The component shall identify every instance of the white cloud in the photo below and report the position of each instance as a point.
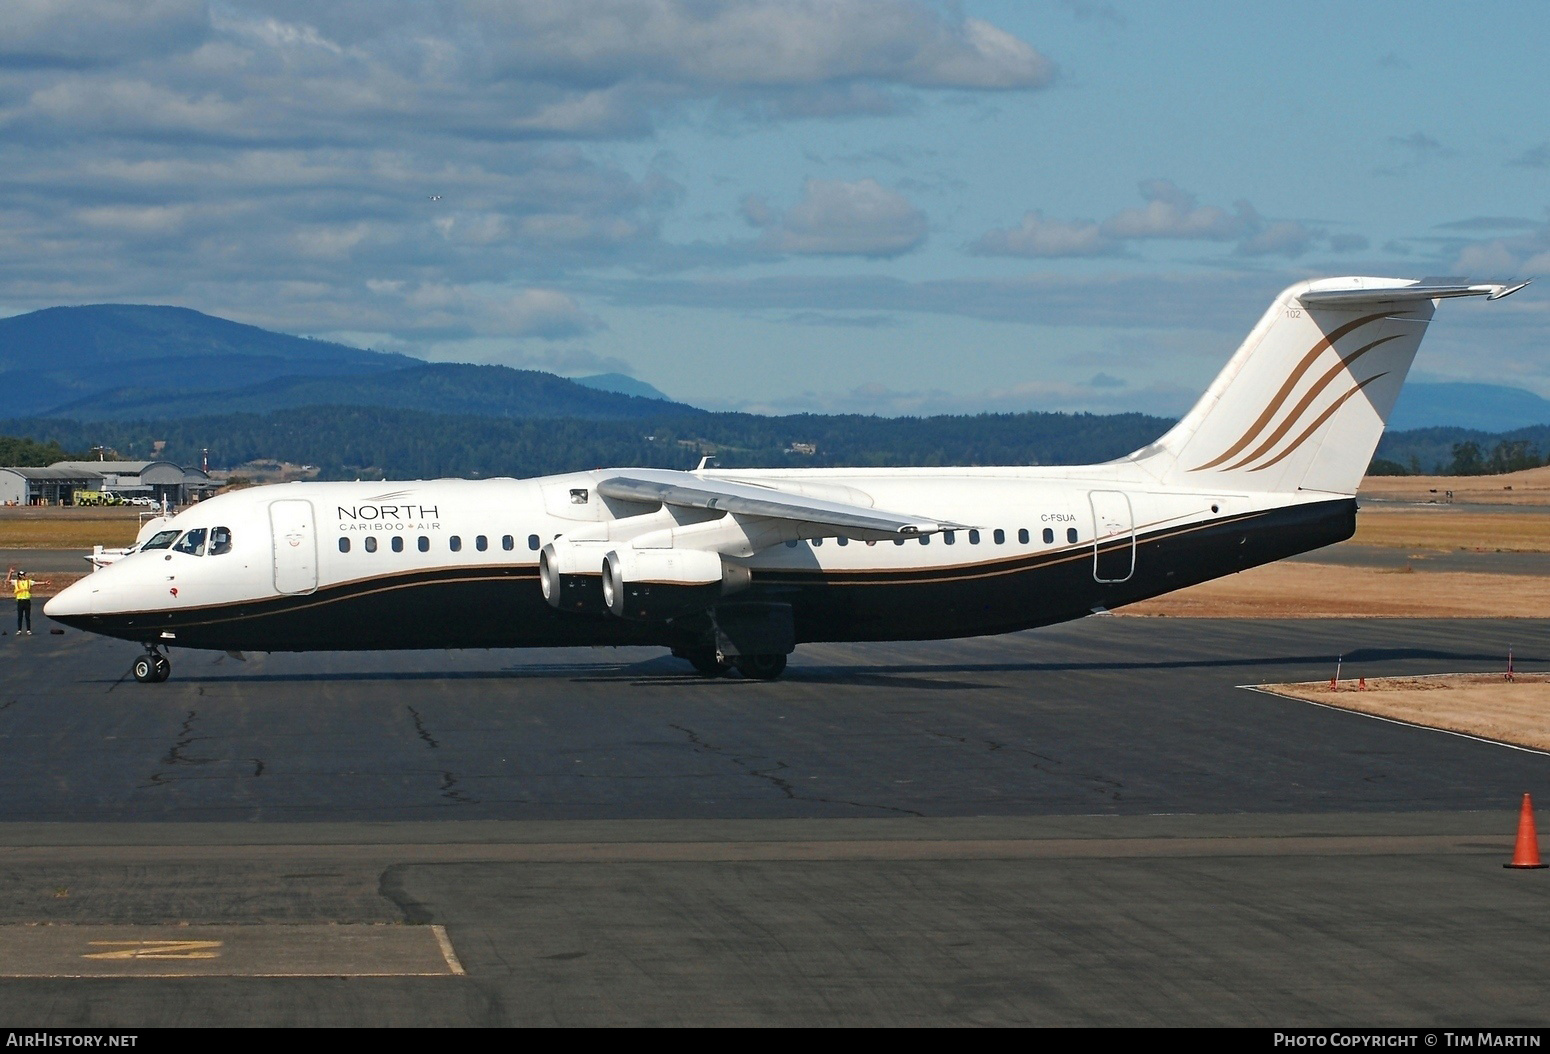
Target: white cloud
(1165, 400)
(1283, 238)
(82, 34)
(838, 218)
(440, 310)
(277, 160)
(1039, 236)
(567, 362)
(1171, 212)
(1522, 255)
(723, 43)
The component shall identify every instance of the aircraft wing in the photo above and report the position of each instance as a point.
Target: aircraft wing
(689, 490)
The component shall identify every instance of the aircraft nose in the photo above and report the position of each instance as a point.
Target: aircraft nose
(75, 600)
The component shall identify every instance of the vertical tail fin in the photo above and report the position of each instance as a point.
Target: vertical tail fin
(1302, 404)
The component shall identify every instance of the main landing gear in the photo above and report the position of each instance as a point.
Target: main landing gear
(708, 662)
(753, 638)
(153, 667)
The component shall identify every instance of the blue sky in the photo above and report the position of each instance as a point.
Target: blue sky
(880, 206)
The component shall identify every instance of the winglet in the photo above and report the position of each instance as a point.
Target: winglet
(1502, 291)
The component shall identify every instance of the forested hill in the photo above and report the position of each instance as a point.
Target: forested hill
(376, 442)
(445, 387)
(141, 362)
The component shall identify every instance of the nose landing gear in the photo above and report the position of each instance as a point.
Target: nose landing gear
(152, 667)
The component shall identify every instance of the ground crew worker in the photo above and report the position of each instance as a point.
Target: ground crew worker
(21, 583)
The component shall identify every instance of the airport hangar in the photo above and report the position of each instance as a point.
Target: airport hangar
(56, 484)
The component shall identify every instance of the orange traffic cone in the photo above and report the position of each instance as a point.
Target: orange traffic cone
(1526, 855)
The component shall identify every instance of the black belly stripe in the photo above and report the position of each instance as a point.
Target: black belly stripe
(485, 607)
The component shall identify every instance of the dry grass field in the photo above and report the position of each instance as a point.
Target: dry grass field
(1529, 487)
(1442, 528)
(1487, 705)
(66, 528)
(1308, 590)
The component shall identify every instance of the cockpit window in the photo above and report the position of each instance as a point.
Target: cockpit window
(192, 543)
(160, 540)
(220, 541)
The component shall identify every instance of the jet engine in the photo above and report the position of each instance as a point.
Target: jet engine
(569, 576)
(650, 584)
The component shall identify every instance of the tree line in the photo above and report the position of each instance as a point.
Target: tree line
(377, 442)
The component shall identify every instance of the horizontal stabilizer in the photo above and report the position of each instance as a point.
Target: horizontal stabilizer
(1302, 404)
(1371, 295)
(688, 490)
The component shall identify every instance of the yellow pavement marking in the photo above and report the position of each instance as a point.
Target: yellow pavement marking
(259, 950)
(157, 950)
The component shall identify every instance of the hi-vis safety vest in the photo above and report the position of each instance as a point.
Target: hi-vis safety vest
(24, 589)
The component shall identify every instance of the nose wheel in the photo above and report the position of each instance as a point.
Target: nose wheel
(152, 668)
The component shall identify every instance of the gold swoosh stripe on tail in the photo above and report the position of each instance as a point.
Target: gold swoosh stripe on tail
(1307, 401)
(1314, 427)
(1286, 389)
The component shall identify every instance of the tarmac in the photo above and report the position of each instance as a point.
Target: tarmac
(1091, 824)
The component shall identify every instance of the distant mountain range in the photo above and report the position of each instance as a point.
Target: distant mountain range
(1459, 404)
(622, 383)
(122, 362)
(110, 362)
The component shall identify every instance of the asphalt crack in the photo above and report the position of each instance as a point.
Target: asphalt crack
(421, 730)
(449, 790)
(178, 755)
(768, 773)
(1105, 785)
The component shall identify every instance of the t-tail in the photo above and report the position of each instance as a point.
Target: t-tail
(1302, 404)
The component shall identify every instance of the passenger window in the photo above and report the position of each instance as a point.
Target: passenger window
(1022, 535)
(192, 543)
(1070, 534)
(1049, 536)
(161, 540)
(532, 542)
(481, 543)
(1000, 536)
(508, 543)
(974, 537)
(371, 544)
(949, 537)
(425, 544)
(220, 541)
(455, 543)
(398, 543)
(344, 545)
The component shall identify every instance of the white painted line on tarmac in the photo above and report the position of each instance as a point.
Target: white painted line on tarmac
(1262, 690)
(445, 943)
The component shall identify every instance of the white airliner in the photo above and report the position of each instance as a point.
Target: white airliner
(736, 568)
